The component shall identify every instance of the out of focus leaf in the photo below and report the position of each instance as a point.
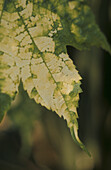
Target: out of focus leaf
(5, 102)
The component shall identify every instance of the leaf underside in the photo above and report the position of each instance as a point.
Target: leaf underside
(33, 39)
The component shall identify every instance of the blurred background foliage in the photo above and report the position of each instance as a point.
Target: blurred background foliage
(33, 138)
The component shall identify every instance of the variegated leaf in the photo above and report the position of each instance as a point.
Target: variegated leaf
(33, 39)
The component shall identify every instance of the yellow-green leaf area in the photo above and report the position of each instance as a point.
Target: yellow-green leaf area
(33, 39)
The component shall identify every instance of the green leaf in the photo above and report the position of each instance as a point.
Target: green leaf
(5, 102)
(33, 39)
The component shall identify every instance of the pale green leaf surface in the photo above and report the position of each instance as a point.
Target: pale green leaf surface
(33, 39)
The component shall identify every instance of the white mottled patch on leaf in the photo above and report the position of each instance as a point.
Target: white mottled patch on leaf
(36, 61)
(7, 60)
(26, 40)
(46, 85)
(8, 24)
(65, 57)
(62, 71)
(21, 63)
(59, 102)
(11, 17)
(51, 33)
(27, 12)
(67, 88)
(14, 73)
(36, 31)
(20, 29)
(25, 55)
(9, 87)
(28, 85)
(21, 3)
(9, 49)
(45, 44)
(25, 72)
(20, 37)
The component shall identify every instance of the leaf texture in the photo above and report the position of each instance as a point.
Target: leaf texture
(33, 39)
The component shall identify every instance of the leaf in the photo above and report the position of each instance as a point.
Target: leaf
(5, 102)
(34, 35)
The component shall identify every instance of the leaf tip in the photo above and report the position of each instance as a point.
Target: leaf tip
(74, 134)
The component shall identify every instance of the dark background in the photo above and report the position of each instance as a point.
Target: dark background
(33, 138)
